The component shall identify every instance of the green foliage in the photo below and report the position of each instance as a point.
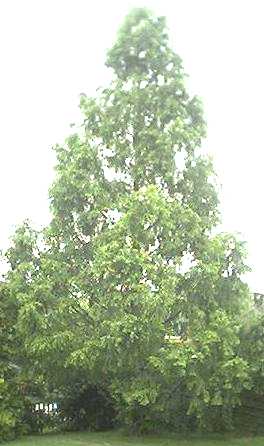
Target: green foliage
(11, 402)
(249, 416)
(131, 295)
(19, 383)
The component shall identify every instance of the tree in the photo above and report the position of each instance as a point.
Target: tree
(132, 290)
(10, 405)
(249, 416)
(20, 383)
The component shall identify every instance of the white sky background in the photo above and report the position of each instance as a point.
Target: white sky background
(52, 50)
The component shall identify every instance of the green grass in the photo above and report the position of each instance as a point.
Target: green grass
(117, 439)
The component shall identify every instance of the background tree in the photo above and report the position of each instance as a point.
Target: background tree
(19, 384)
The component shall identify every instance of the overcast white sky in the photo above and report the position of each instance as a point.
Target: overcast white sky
(52, 50)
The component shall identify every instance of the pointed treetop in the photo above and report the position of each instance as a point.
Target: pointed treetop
(142, 47)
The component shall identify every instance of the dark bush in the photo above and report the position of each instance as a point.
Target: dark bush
(86, 407)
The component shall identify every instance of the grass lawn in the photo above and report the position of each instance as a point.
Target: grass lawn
(116, 439)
